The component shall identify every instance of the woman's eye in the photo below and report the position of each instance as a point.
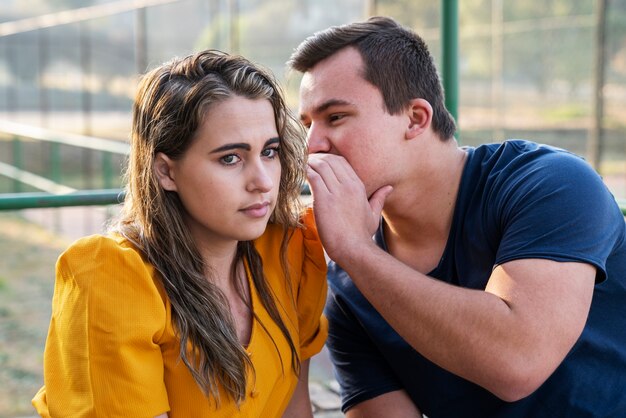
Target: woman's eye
(230, 159)
(270, 152)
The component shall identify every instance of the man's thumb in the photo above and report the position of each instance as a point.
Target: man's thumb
(377, 201)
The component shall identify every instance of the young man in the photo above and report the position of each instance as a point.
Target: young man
(496, 282)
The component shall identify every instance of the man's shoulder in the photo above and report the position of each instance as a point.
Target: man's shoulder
(521, 149)
(525, 162)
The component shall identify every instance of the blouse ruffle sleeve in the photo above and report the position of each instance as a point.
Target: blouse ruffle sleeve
(311, 296)
(102, 355)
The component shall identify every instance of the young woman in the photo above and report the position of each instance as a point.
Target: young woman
(206, 297)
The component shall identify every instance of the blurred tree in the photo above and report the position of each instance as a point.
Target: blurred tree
(268, 31)
(616, 39)
(58, 5)
(417, 14)
(474, 13)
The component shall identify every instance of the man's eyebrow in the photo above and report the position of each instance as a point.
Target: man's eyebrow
(330, 103)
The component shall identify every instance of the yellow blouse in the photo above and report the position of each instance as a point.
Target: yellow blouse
(112, 352)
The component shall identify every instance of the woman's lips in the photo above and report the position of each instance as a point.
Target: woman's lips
(258, 210)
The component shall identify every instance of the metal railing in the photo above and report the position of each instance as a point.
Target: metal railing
(54, 194)
(53, 183)
(17, 201)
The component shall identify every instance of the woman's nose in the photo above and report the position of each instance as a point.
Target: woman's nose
(260, 178)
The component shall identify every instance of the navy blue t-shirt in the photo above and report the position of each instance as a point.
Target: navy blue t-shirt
(516, 200)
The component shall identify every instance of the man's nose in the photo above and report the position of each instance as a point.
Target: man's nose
(317, 140)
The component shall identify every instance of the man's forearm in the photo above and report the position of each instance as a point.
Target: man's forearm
(472, 333)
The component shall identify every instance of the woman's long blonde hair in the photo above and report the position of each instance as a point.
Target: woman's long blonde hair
(170, 104)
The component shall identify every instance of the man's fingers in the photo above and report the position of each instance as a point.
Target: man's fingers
(338, 165)
(341, 167)
(325, 171)
(315, 181)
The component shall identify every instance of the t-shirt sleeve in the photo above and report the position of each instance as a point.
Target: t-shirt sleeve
(102, 355)
(360, 369)
(311, 296)
(558, 209)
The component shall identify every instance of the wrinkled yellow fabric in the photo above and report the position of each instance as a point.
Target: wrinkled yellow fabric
(112, 352)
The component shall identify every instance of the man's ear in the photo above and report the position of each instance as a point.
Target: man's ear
(420, 114)
(163, 169)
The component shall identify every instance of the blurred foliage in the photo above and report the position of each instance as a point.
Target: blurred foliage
(535, 54)
(543, 40)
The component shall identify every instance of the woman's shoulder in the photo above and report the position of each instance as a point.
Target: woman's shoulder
(108, 257)
(300, 236)
(100, 248)
(304, 245)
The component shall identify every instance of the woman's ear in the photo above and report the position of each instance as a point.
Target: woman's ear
(163, 169)
(420, 114)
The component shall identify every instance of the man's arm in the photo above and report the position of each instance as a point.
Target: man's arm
(507, 339)
(395, 404)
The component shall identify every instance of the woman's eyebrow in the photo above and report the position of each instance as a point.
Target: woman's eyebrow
(243, 145)
(228, 147)
(271, 141)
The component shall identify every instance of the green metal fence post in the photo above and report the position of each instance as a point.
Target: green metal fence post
(55, 162)
(107, 171)
(450, 53)
(18, 162)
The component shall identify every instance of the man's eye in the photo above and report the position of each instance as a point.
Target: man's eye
(230, 159)
(336, 117)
